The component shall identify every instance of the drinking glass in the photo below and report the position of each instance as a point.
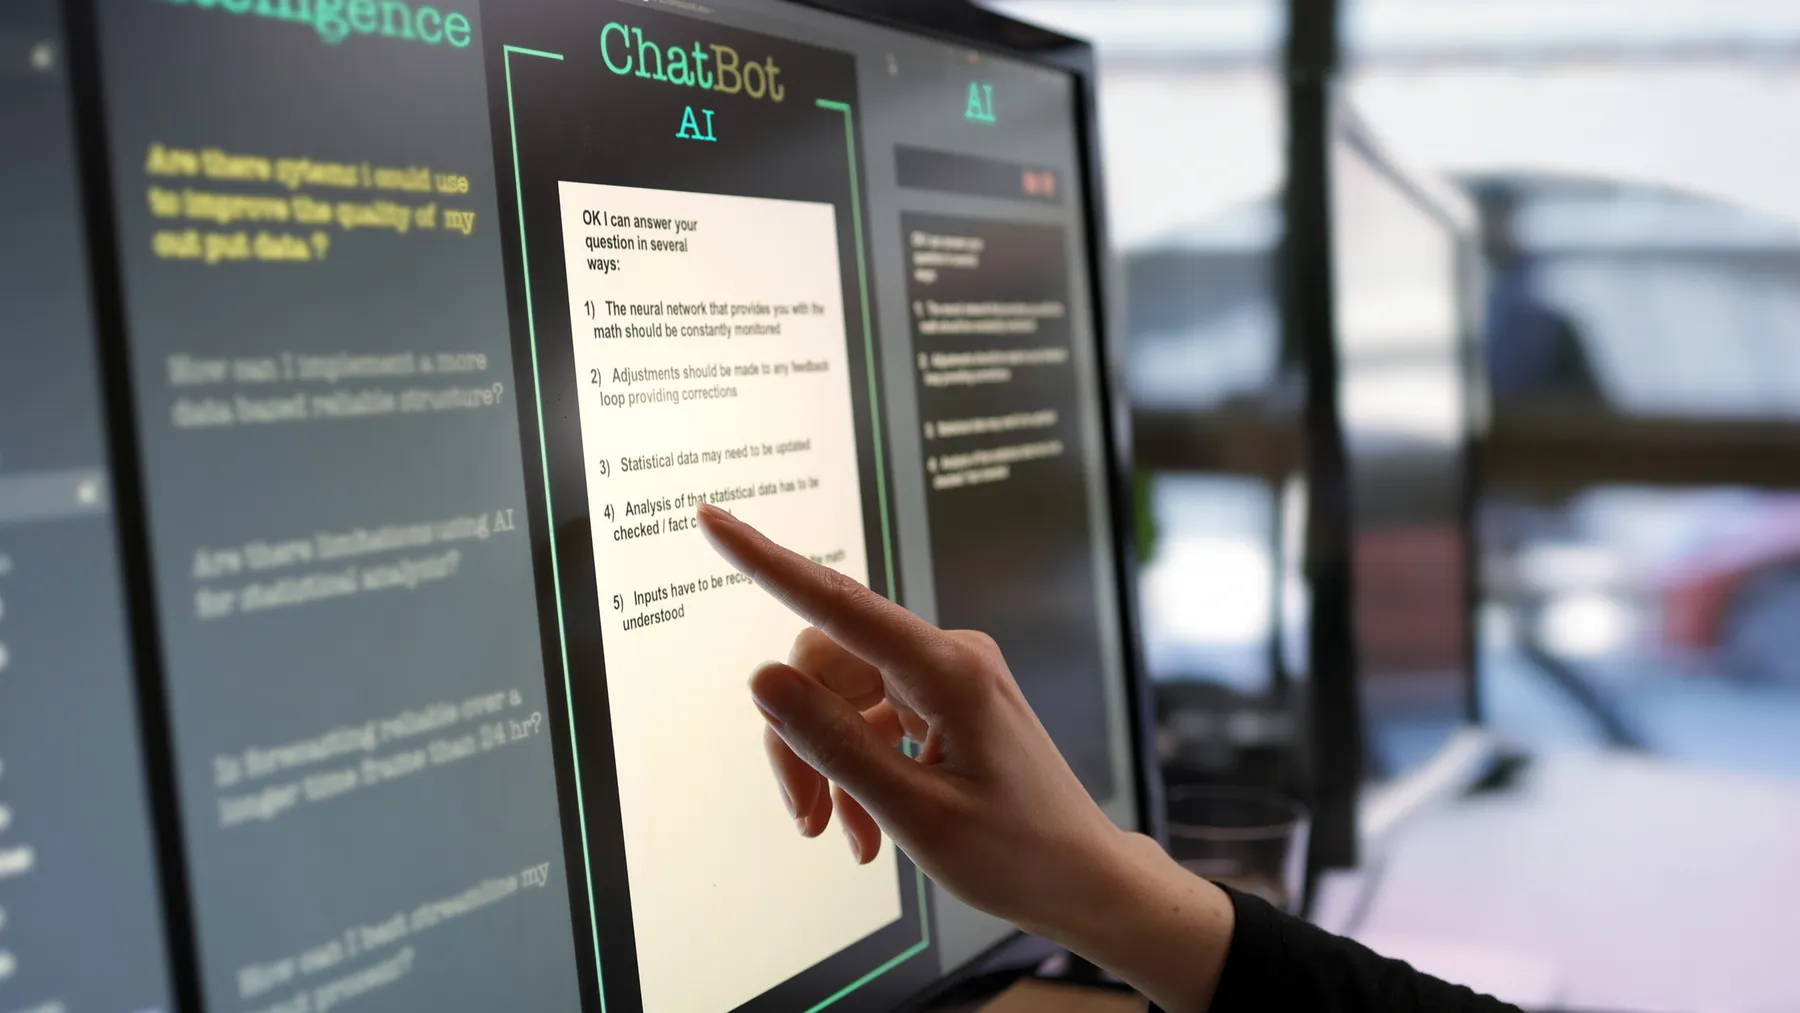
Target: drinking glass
(1251, 840)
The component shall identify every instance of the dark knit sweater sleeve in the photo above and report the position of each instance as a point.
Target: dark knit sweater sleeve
(1282, 963)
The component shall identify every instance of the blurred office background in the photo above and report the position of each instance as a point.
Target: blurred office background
(1634, 167)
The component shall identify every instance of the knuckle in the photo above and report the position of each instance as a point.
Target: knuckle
(848, 596)
(976, 646)
(981, 645)
(845, 586)
(977, 660)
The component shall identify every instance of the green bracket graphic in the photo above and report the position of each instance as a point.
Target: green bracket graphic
(562, 633)
(862, 279)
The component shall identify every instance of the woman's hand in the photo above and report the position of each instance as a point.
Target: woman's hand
(988, 808)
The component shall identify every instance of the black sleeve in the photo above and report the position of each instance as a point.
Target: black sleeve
(1279, 962)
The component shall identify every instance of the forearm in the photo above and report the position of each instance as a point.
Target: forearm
(1160, 928)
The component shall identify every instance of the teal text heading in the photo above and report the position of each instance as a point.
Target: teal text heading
(337, 20)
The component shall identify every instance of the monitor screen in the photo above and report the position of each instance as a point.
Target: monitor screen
(419, 332)
(1403, 257)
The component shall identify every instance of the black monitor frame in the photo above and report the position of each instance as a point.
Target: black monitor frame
(1333, 737)
(99, 233)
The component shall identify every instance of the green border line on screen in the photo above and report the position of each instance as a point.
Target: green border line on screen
(862, 281)
(562, 633)
(555, 566)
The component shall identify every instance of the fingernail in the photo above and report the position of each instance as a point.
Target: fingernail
(855, 846)
(777, 691)
(716, 515)
(788, 800)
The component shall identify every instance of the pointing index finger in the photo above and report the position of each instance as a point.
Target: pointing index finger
(866, 624)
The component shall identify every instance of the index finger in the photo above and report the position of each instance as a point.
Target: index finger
(863, 622)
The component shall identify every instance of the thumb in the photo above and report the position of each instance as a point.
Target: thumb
(833, 738)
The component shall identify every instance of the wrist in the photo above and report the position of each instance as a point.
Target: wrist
(1158, 926)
